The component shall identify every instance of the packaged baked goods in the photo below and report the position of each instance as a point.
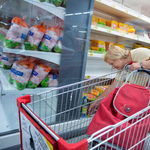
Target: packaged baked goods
(17, 33)
(108, 45)
(120, 45)
(126, 27)
(99, 45)
(142, 33)
(131, 29)
(121, 26)
(101, 21)
(50, 39)
(35, 36)
(113, 24)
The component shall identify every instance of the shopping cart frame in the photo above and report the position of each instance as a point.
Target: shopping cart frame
(58, 142)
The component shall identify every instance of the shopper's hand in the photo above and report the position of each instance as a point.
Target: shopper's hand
(134, 66)
(92, 107)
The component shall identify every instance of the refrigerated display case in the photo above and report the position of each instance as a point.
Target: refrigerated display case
(77, 60)
(67, 62)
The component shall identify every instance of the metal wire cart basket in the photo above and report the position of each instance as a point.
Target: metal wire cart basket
(54, 119)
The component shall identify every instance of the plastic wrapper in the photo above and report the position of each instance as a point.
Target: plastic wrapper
(17, 33)
(99, 44)
(50, 39)
(142, 33)
(38, 74)
(22, 72)
(57, 2)
(7, 60)
(50, 80)
(64, 3)
(58, 46)
(101, 21)
(113, 24)
(35, 36)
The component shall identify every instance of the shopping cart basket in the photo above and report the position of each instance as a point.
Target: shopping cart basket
(53, 119)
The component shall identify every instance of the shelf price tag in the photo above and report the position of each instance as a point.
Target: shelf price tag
(123, 35)
(95, 27)
(139, 16)
(88, 77)
(127, 11)
(109, 31)
(104, 77)
(90, 54)
(99, 0)
(113, 5)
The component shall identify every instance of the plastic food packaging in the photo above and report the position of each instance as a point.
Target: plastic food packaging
(7, 60)
(137, 45)
(120, 45)
(38, 74)
(95, 92)
(57, 2)
(101, 89)
(113, 24)
(121, 26)
(142, 33)
(126, 27)
(50, 39)
(90, 97)
(101, 21)
(108, 45)
(58, 46)
(22, 74)
(17, 33)
(35, 36)
(64, 3)
(131, 29)
(50, 80)
(99, 44)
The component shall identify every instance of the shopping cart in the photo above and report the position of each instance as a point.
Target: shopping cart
(53, 120)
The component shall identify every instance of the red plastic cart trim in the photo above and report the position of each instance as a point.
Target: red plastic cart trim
(63, 145)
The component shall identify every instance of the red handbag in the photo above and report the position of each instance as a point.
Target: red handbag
(118, 105)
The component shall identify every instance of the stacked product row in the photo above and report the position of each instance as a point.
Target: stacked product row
(121, 27)
(37, 37)
(29, 71)
(102, 46)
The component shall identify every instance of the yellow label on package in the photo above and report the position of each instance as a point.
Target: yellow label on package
(84, 109)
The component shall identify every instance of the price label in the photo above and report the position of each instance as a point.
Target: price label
(95, 27)
(90, 54)
(99, 0)
(127, 11)
(104, 77)
(109, 31)
(135, 38)
(114, 6)
(123, 35)
(88, 77)
(139, 16)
